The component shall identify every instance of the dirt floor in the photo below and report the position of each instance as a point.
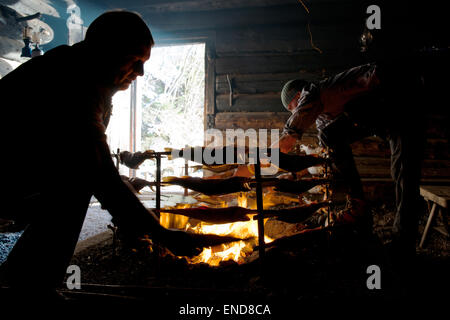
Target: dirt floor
(316, 270)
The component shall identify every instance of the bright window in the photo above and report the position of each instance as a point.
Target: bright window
(169, 111)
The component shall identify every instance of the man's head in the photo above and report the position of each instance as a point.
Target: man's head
(291, 93)
(122, 42)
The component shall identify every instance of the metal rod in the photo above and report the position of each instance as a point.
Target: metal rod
(260, 208)
(327, 194)
(118, 159)
(186, 173)
(158, 184)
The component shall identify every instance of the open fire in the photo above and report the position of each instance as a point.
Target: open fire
(233, 213)
(238, 251)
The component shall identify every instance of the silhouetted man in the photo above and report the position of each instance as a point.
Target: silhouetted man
(57, 157)
(387, 99)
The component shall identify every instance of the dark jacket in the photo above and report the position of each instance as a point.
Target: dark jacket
(55, 113)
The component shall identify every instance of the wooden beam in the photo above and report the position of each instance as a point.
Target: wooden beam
(289, 14)
(210, 79)
(314, 62)
(286, 39)
(261, 83)
(247, 120)
(203, 5)
(380, 167)
(250, 103)
(261, 120)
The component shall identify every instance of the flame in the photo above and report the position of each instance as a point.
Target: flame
(169, 220)
(237, 251)
(242, 200)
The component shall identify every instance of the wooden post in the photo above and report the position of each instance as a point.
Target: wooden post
(427, 226)
(260, 208)
(158, 183)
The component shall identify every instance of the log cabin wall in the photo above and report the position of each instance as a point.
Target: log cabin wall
(255, 46)
(253, 51)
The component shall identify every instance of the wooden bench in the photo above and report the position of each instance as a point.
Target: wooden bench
(439, 196)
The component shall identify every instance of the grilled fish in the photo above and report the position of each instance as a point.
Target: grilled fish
(298, 186)
(210, 156)
(219, 168)
(134, 160)
(295, 214)
(295, 163)
(211, 186)
(214, 215)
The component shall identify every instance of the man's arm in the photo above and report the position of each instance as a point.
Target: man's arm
(286, 142)
(128, 212)
(300, 120)
(116, 197)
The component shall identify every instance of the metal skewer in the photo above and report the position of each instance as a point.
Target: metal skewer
(260, 208)
(158, 183)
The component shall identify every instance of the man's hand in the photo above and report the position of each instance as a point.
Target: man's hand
(180, 243)
(188, 244)
(286, 143)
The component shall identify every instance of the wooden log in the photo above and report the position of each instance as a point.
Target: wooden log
(435, 149)
(371, 147)
(250, 103)
(330, 13)
(286, 39)
(262, 83)
(380, 167)
(261, 120)
(312, 62)
(202, 5)
(210, 79)
(247, 120)
(436, 124)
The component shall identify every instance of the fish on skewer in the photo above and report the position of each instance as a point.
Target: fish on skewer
(295, 163)
(211, 186)
(295, 214)
(305, 238)
(219, 168)
(200, 240)
(211, 156)
(214, 215)
(134, 160)
(299, 186)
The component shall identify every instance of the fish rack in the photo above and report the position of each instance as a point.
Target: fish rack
(258, 185)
